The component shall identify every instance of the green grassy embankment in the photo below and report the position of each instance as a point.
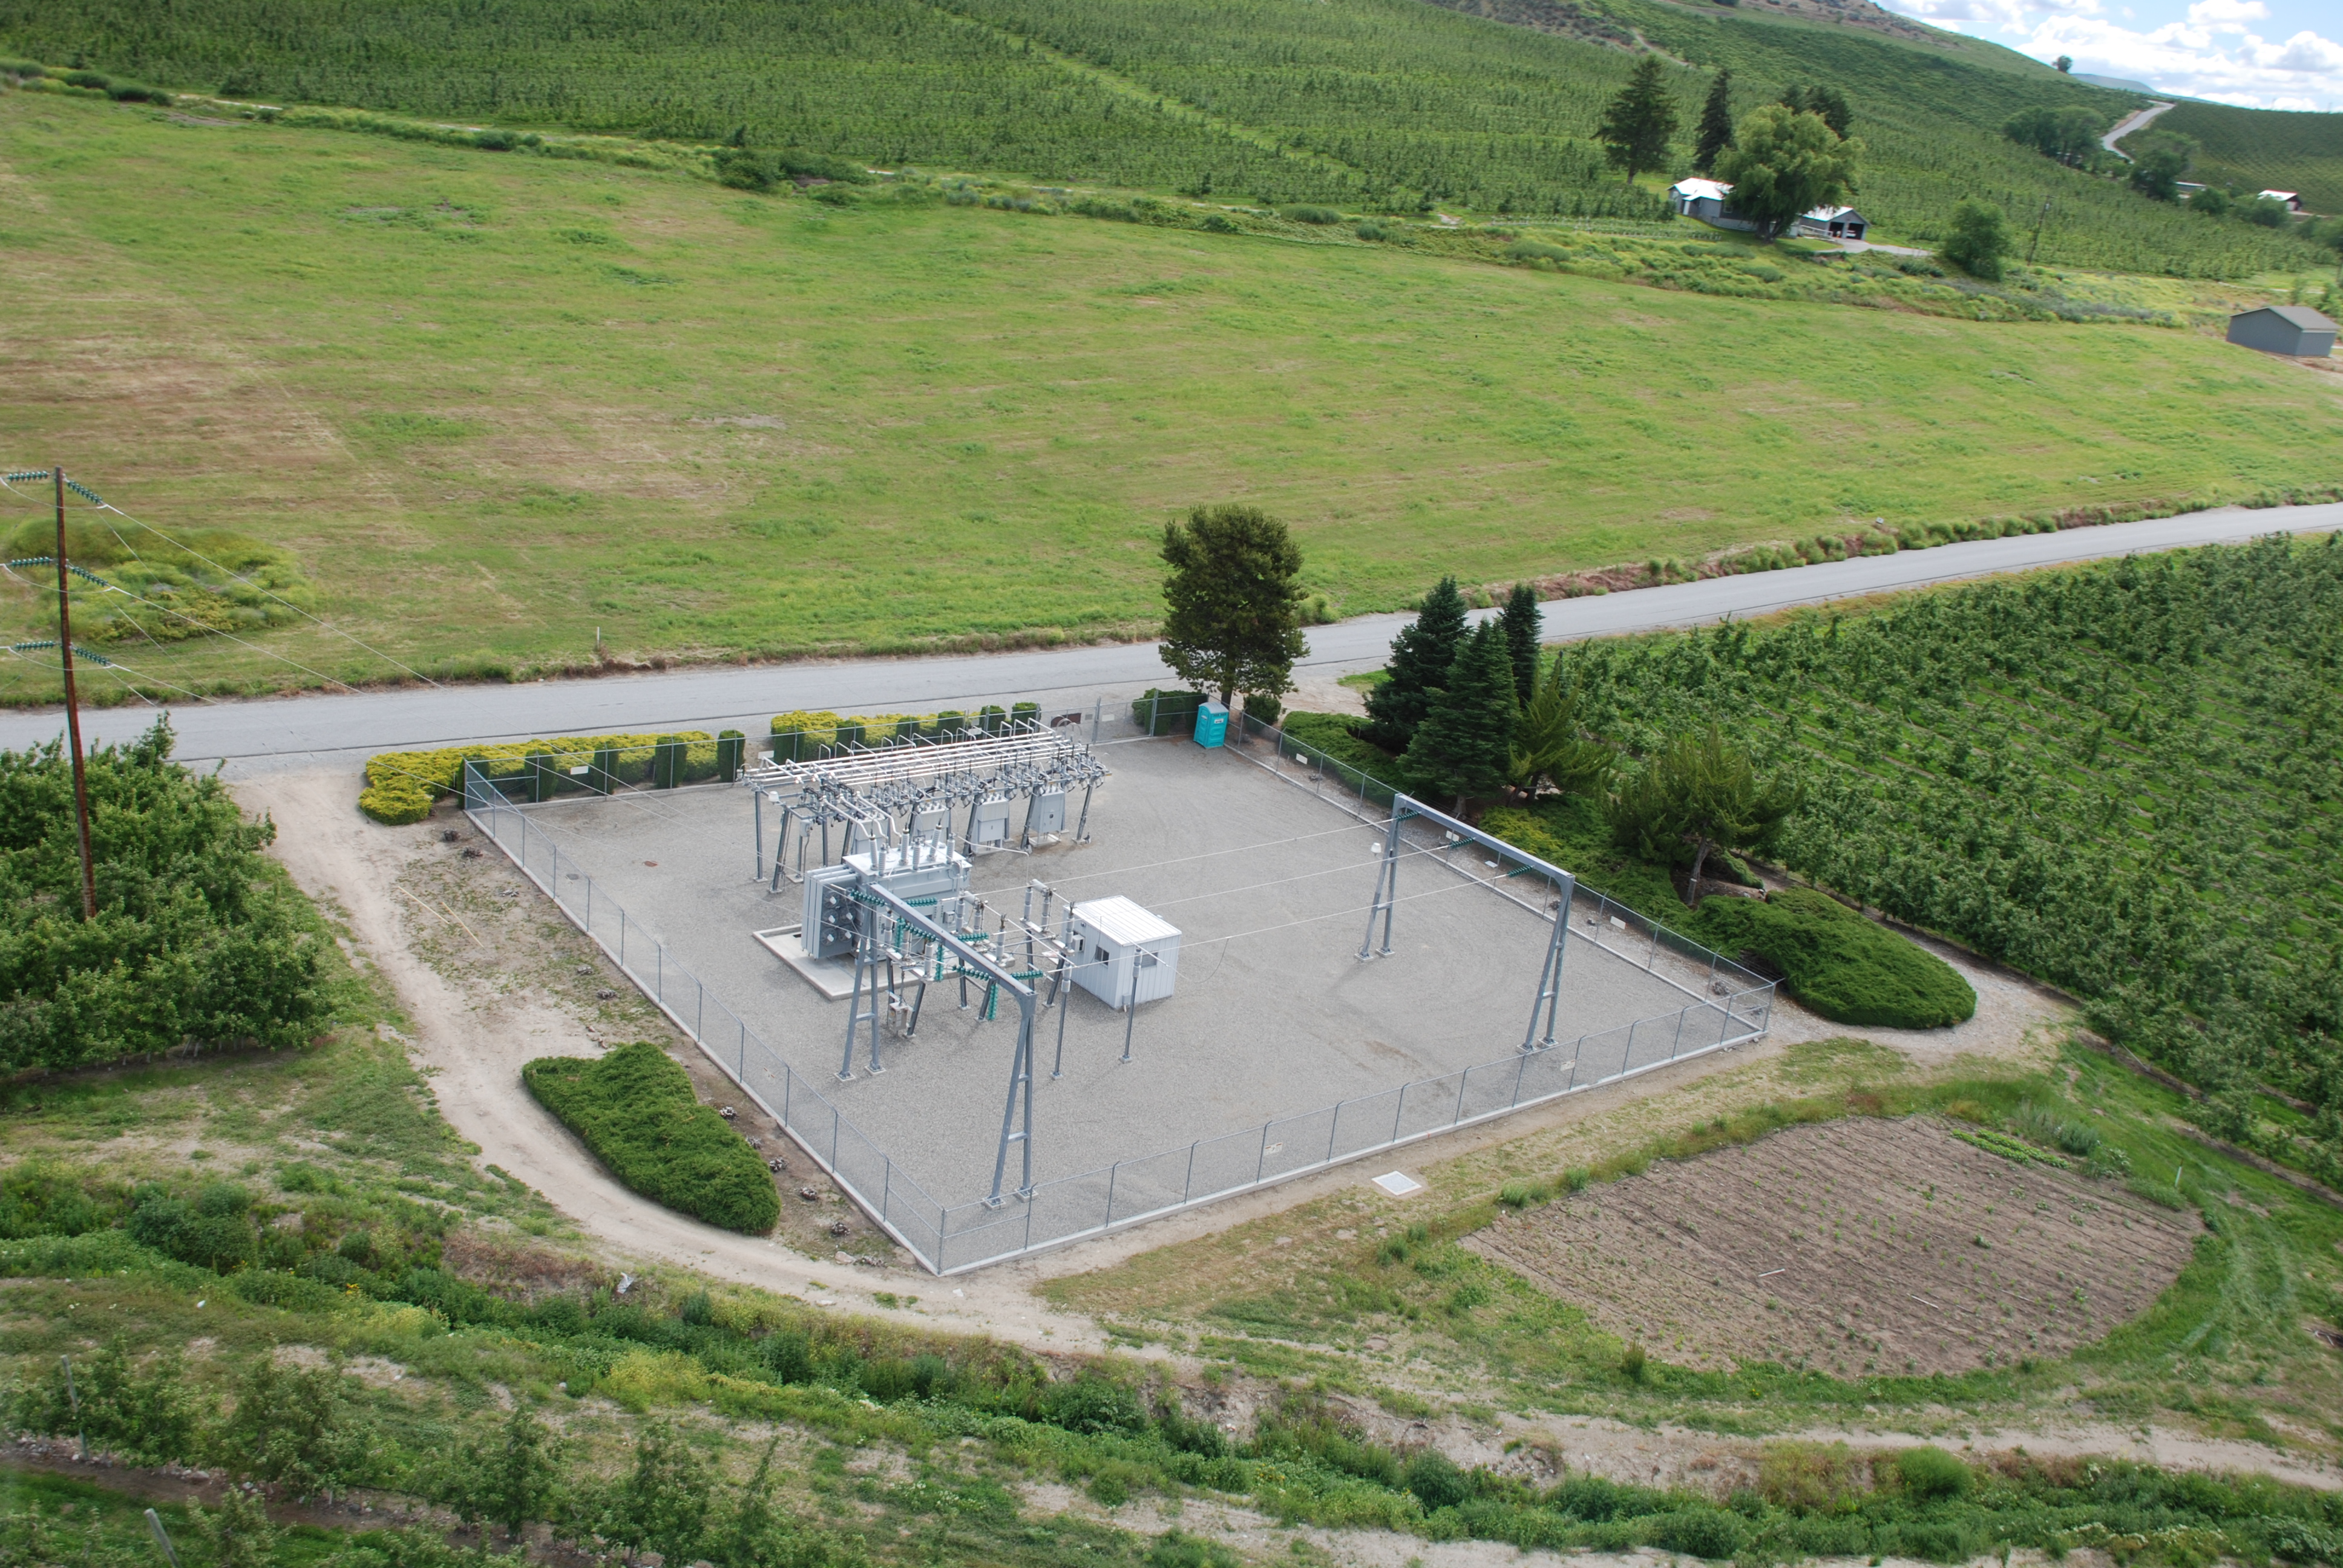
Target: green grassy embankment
(635, 1110)
(491, 405)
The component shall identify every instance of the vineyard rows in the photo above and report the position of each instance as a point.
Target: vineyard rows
(2125, 778)
(1368, 104)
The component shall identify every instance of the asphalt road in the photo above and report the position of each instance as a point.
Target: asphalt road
(265, 734)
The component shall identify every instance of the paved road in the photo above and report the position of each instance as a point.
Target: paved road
(291, 731)
(2135, 120)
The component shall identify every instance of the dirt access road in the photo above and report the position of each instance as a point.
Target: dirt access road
(481, 999)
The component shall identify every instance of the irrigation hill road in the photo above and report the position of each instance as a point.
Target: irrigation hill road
(264, 734)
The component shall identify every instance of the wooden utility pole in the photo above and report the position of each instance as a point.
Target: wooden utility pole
(73, 710)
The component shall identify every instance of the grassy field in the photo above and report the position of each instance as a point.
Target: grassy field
(1385, 103)
(490, 406)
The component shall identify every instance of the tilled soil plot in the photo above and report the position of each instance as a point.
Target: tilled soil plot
(1859, 1246)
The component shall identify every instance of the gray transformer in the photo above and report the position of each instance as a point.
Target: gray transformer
(916, 871)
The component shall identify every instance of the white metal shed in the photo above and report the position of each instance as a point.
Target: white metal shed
(1128, 954)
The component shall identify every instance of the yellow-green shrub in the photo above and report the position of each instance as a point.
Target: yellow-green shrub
(401, 785)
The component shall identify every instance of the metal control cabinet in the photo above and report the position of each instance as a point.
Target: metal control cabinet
(1126, 954)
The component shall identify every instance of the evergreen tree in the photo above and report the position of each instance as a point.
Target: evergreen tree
(1234, 620)
(1716, 132)
(1522, 624)
(1637, 126)
(1702, 794)
(1421, 654)
(1463, 747)
(1547, 746)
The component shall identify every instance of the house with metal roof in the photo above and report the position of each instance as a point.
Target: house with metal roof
(1711, 201)
(2294, 329)
(2293, 201)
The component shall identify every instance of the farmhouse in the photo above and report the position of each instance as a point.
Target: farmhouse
(2293, 202)
(1711, 201)
(1707, 200)
(2294, 329)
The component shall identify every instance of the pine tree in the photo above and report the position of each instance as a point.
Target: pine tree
(1701, 794)
(1547, 746)
(1463, 747)
(1520, 625)
(1637, 126)
(1715, 133)
(1421, 654)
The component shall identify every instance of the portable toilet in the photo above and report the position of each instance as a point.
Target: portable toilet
(1125, 954)
(1212, 723)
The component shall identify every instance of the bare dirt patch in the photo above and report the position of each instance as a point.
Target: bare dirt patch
(1852, 1247)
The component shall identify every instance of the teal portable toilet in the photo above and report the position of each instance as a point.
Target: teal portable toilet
(1212, 723)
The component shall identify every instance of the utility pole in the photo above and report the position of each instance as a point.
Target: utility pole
(73, 710)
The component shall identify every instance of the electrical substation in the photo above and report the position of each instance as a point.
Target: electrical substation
(1014, 988)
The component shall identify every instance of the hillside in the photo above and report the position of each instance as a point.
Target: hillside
(2265, 149)
(488, 405)
(1379, 103)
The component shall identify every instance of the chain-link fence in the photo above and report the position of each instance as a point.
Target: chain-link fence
(1725, 1005)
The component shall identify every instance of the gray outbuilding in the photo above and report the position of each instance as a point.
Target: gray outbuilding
(2294, 329)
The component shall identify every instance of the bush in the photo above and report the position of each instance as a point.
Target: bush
(1698, 1533)
(1435, 1480)
(1371, 232)
(1847, 968)
(635, 1112)
(1160, 712)
(742, 169)
(1093, 1406)
(142, 1414)
(394, 779)
(1313, 215)
(1263, 709)
(1929, 1474)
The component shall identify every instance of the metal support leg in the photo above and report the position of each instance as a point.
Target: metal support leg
(1064, 1002)
(1081, 827)
(757, 805)
(1386, 890)
(1020, 1077)
(1549, 996)
(1129, 1021)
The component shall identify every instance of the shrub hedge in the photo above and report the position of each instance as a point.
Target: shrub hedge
(401, 785)
(1845, 966)
(634, 1108)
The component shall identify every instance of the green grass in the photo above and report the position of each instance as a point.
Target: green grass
(1389, 104)
(636, 1110)
(887, 427)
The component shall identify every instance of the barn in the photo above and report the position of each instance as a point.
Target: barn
(2294, 329)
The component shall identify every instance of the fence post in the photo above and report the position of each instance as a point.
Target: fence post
(1399, 1111)
(743, 1073)
(1261, 1164)
(1628, 1055)
(1462, 1078)
(1112, 1172)
(833, 1139)
(658, 972)
(1677, 1042)
(1188, 1182)
(1335, 1128)
(699, 1011)
(1523, 1068)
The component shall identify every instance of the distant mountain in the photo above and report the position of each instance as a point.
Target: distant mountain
(2121, 84)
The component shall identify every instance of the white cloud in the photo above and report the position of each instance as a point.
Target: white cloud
(2227, 16)
(2212, 55)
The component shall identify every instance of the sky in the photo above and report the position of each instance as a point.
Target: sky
(2262, 54)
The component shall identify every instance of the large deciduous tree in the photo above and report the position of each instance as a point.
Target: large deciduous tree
(1639, 122)
(1234, 606)
(1421, 654)
(1701, 794)
(1978, 241)
(1463, 747)
(1785, 162)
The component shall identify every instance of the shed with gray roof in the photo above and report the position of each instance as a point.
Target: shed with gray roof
(2294, 329)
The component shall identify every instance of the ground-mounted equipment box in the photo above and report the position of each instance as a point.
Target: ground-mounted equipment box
(1126, 955)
